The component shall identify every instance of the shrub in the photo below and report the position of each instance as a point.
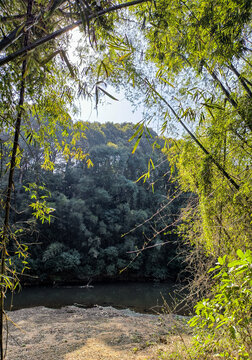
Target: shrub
(223, 322)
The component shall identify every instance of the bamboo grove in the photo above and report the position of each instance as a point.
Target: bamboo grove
(188, 62)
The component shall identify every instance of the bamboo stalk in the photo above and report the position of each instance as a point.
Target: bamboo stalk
(6, 230)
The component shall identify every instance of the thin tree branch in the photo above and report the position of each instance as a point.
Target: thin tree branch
(178, 193)
(151, 246)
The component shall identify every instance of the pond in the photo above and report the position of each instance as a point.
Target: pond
(140, 297)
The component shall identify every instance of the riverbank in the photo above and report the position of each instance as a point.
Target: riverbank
(98, 333)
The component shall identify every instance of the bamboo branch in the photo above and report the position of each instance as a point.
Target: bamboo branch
(12, 17)
(18, 32)
(30, 47)
(226, 92)
(11, 37)
(241, 78)
(229, 97)
(217, 164)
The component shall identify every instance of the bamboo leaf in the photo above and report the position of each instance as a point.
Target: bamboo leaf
(42, 28)
(167, 82)
(143, 24)
(213, 106)
(105, 68)
(54, 6)
(96, 96)
(83, 15)
(3, 4)
(20, 29)
(99, 71)
(50, 57)
(121, 58)
(148, 131)
(153, 166)
(70, 68)
(143, 176)
(137, 132)
(117, 47)
(137, 142)
(89, 163)
(106, 93)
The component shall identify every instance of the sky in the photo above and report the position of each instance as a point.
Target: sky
(117, 112)
(110, 111)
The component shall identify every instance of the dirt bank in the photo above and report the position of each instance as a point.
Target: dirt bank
(73, 333)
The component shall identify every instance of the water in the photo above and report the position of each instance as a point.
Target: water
(140, 297)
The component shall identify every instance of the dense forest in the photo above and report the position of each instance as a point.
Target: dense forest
(188, 65)
(96, 206)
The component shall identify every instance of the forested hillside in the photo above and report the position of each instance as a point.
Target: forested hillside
(102, 216)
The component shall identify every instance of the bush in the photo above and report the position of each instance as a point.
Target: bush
(223, 322)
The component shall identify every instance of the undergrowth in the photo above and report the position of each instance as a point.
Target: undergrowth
(222, 322)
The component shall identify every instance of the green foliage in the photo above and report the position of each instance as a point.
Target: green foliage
(188, 33)
(40, 209)
(94, 207)
(214, 222)
(57, 258)
(223, 321)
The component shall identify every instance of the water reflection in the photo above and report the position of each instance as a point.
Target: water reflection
(141, 297)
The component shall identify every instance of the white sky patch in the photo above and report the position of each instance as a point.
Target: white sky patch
(108, 110)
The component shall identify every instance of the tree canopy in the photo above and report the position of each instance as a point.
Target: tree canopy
(105, 220)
